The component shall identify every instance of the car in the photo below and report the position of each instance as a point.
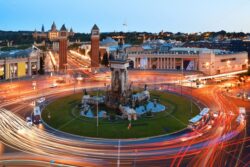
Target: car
(29, 121)
(40, 100)
(215, 114)
(37, 120)
(238, 95)
(53, 85)
(79, 78)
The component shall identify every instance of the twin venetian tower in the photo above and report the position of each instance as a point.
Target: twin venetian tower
(94, 54)
(63, 47)
(60, 38)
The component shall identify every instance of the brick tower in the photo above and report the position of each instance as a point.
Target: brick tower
(63, 44)
(95, 40)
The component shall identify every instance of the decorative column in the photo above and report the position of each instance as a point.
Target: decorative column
(136, 60)
(167, 63)
(150, 63)
(158, 62)
(174, 64)
(6, 70)
(171, 63)
(139, 63)
(182, 67)
(164, 63)
(29, 67)
(195, 64)
(38, 63)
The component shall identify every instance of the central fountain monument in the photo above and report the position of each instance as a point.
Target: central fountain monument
(119, 95)
(119, 92)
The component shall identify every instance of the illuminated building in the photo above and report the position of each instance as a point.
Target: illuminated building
(53, 33)
(20, 63)
(207, 61)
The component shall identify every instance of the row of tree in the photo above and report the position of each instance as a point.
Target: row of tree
(25, 37)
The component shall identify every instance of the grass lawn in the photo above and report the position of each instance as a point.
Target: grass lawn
(173, 119)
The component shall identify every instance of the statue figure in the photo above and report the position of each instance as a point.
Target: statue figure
(85, 92)
(116, 82)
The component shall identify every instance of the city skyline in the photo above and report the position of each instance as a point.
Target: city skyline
(113, 15)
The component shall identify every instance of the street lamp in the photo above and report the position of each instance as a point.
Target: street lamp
(11, 73)
(34, 85)
(191, 105)
(208, 66)
(49, 115)
(65, 70)
(246, 61)
(182, 78)
(97, 110)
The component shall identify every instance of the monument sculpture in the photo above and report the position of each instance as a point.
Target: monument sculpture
(119, 95)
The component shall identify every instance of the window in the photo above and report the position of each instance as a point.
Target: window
(229, 59)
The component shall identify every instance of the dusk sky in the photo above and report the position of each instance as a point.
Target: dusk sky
(140, 15)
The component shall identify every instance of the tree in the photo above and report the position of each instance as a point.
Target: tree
(41, 71)
(248, 71)
(105, 59)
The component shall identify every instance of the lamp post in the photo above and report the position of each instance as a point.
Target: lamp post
(97, 110)
(182, 77)
(34, 85)
(208, 67)
(11, 73)
(191, 104)
(74, 84)
(228, 64)
(65, 71)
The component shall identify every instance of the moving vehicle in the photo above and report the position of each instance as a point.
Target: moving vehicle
(29, 121)
(40, 100)
(53, 85)
(37, 115)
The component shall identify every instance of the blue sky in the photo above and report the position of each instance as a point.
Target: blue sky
(140, 15)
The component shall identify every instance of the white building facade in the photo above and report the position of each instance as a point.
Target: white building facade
(208, 61)
(21, 63)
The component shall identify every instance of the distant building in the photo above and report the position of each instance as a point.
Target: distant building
(52, 35)
(19, 63)
(107, 42)
(208, 61)
(57, 40)
(40, 35)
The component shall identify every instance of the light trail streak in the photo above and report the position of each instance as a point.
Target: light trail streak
(17, 134)
(206, 142)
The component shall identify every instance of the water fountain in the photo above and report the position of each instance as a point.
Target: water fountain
(119, 95)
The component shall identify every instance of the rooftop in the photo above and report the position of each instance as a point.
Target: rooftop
(63, 28)
(95, 27)
(17, 53)
(195, 119)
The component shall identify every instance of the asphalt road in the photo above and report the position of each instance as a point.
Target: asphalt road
(223, 143)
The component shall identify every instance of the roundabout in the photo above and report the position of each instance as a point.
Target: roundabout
(182, 148)
(64, 114)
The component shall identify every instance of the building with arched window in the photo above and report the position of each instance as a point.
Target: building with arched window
(208, 61)
(19, 63)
